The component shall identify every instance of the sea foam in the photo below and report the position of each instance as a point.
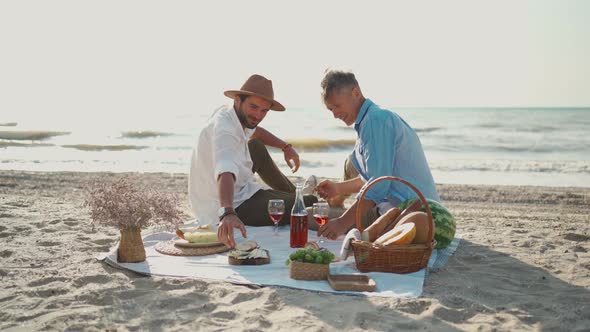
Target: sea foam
(144, 134)
(30, 135)
(93, 147)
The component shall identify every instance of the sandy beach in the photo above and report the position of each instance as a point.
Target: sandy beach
(523, 264)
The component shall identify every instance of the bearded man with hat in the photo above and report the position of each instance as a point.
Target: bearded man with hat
(230, 149)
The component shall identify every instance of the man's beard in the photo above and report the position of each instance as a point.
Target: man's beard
(243, 119)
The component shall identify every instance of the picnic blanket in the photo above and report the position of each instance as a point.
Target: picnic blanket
(276, 273)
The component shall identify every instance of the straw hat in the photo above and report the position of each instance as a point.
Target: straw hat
(259, 86)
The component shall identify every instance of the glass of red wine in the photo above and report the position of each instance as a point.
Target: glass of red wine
(276, 210)
(321, 211)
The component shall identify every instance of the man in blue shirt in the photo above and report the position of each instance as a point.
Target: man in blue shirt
(386, 145)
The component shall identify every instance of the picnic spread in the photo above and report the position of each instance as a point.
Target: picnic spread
(390, 261)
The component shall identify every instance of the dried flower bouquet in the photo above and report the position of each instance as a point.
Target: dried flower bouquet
(129, 207)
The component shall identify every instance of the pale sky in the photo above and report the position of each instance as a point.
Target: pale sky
(69, 58)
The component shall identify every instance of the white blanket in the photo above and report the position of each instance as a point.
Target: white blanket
(277, 272)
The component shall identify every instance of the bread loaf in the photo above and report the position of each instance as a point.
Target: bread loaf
(377, 228)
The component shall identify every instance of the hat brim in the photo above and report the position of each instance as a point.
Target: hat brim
(275, 105)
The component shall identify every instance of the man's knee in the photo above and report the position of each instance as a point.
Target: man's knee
(308, 200)
(349, 171)
(258, 153)
(256, 148)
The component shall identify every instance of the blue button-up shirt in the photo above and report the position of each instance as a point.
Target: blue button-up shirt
(387, 145)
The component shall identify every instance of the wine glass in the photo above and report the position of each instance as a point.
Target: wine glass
(276, 209)
(321, 211)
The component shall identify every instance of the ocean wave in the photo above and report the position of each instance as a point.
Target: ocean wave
(427, 130)
(93, 147)
(308, 163)
(537, 129)
(187, 147)
(8, 124)
(5, 144)
(520, 128)
(530, 166)
(314, 144)
(144, 134)
(30, 135)
(490, 125)
(532, 147)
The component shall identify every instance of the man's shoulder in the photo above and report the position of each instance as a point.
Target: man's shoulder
(379, 114)
(223, 117)
(221, 113)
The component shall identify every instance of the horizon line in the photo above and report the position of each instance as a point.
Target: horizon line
(474, 107)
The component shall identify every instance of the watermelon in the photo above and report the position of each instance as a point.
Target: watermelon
(444, 222)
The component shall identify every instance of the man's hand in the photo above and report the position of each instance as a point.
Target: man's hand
(225, 231)
(292, 158)
(333, 228)
(328, 189)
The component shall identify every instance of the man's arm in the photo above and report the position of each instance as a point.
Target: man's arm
(266, 137)
(225, 185)
(225, 231)
(329, 189)
(352, 185)
(338, 226)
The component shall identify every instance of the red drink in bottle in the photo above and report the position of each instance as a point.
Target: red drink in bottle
(298, 230)
(298, 221)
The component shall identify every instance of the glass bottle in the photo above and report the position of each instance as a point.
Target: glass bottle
(299, 222)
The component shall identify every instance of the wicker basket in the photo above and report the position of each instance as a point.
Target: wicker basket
(131, 249)
(308, 271)
(370, 257)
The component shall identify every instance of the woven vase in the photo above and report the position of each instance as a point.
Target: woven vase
(131, 248)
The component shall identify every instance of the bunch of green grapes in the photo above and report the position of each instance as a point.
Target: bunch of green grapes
(309, 255)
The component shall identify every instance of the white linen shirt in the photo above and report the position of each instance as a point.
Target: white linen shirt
(222, 147)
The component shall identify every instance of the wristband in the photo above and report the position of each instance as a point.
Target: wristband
(288, 145)
(225, 214)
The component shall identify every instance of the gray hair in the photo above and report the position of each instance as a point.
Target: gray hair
(335, 80)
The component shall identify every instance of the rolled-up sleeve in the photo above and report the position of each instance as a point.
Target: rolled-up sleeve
(225, 146)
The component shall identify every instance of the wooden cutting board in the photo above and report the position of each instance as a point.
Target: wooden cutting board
(250, 261)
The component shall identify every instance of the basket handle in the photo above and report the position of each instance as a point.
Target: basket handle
(359, 224)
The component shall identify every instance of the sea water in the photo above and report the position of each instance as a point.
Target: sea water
(508, 146)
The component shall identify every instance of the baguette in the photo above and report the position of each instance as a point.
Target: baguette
(377, 228)
(414, 207)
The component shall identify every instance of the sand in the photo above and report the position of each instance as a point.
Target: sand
(524, 264)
